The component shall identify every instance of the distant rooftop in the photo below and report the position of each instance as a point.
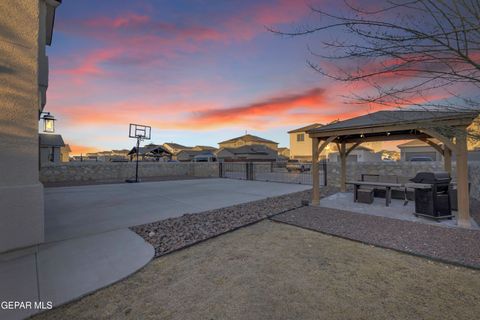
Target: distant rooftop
(176, 145)
(249, 137)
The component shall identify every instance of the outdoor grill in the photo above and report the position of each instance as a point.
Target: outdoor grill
(432, 195)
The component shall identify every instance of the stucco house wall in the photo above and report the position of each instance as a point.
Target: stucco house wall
(23, 82)
(300, 146)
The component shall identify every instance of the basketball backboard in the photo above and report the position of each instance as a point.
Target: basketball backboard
(139, 131)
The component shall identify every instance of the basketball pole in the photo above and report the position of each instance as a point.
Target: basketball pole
(136, 165)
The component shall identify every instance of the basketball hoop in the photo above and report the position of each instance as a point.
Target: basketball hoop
(139, 132)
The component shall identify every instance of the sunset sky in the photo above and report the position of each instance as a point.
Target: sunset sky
(198, 72)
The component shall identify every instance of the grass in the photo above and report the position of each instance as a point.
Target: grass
(275, 271)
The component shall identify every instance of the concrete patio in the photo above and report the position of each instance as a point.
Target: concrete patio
(397, 209)
(79, 211)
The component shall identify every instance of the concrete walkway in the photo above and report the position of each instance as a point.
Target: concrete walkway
(63, 271)
(78, 211)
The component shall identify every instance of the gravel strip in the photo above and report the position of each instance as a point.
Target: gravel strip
(175, 233)
(452, 245)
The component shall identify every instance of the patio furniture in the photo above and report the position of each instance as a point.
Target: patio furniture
(365, 195)
(365, 184)
(400, 193)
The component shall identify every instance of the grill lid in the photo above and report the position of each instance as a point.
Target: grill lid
(432, 177)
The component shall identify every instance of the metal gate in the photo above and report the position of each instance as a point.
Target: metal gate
(273, 171)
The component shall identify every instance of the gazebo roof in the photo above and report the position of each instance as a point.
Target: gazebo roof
(394, 118)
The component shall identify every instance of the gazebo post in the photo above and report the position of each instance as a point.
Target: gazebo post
(315, 172)
(343, 167)
(447, 159)
(462, 179)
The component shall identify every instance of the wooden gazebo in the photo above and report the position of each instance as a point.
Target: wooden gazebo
(450, 128)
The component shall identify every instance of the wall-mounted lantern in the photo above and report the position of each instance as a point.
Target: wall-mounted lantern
(48, 123)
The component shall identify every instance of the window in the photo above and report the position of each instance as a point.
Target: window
(300, 137)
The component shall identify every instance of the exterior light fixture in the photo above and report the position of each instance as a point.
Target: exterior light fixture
(48, 123)
(388, 133)
(362, 136)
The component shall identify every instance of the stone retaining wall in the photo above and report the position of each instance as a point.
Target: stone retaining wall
(401, 169)
(118, 171)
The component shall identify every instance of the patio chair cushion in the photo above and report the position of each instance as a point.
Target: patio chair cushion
(365, 195)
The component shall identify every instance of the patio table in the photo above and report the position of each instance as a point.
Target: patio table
(388, 187)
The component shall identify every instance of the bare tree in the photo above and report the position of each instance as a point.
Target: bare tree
(406, 51)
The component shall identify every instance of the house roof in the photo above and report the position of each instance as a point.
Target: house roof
(176, 145)
(249, 137)
(392, 117)
(306, 128)
(194, 152)
(153, 149)
(204, 148)
(253, 150)
(51, 140)
(417, 143)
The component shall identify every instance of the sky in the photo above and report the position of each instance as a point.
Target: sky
(198, 72)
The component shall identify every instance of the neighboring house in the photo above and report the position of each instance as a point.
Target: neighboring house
(174, 148)
(50, 145)
(301, 144)
(205, 156)
(204, 148)
(151, 152)
(184, 153)
(65, 153)
(26, 30)
(284, 152)
(359, 154)
(248, 140)
(189, 154)
(247, 153)
(109, 156)
(417, 148)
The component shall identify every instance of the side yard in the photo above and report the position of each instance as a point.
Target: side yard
(276, 271)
